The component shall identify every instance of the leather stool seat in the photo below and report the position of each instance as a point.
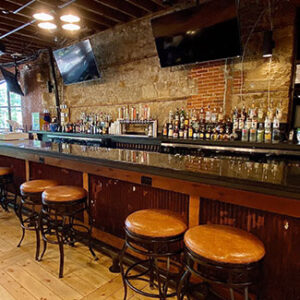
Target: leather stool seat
(36, 186)
(5, 171)
(224, 244)
(63, 194)
(155, 223)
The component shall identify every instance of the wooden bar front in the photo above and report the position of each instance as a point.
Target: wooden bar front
(115, 193)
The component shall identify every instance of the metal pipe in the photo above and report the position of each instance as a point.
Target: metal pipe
(23, 6)
(17, 29)
(51, 58)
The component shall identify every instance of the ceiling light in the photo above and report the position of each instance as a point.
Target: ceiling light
(70, 18)
(43, 16)
(71, 27)
(47, 25)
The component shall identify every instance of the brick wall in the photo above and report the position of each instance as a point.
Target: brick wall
(210, 78)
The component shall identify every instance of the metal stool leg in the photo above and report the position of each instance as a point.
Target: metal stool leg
(38, 241)
(121, 256)
(21, 222)
(183, 284)
(60, 242)
(41, 228)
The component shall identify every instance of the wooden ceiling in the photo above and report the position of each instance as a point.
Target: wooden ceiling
(96, 15)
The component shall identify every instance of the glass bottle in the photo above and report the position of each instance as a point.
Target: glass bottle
(260, 133)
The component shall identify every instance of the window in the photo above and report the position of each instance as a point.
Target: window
(10, 107)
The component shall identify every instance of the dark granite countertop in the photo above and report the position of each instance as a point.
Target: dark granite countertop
(273, 176)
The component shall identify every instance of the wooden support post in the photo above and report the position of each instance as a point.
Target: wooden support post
(194, 210)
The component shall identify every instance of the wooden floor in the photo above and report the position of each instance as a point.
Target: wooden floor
(22, 278)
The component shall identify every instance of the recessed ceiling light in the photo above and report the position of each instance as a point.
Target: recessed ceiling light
(43, 16)
(47, 25)
(71, 27)
(70, 18)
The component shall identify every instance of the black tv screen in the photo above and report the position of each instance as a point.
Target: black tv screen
(77, 63)
(11, 82)
(207, 32)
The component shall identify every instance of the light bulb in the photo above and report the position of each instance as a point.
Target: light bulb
(71, 27)
(47, 25)
(43, 16)
(70, 18)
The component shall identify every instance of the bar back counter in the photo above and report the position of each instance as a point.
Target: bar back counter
(259, 194)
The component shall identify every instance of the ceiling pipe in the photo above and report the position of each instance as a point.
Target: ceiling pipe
(23, 6)
(33, 21)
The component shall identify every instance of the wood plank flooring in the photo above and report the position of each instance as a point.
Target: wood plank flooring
(23, 278)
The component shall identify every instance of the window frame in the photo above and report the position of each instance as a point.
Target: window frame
(9, 107)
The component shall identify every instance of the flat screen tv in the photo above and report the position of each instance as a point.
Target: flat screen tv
(209, 31)
(77, 63)
(12, 83)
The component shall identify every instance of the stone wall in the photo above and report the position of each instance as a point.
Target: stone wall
(131, 73)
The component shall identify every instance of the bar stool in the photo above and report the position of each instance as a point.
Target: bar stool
(31, 192)
(6, 178)
(222, 255)
(60, 205)
(157, 235)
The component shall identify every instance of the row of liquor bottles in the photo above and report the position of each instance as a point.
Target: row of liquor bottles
(252, 125)
(100, 123)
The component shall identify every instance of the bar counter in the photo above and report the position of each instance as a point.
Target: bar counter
(258, 195)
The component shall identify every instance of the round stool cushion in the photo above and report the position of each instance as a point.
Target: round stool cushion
(5, 171)
(63, 193)
(36, 186)
(155, 223)
(224, 244)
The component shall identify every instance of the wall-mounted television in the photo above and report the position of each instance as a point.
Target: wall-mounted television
(209, 31)
(11, 82)
(77, 63)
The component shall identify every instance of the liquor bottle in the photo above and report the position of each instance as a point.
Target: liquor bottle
(190, 130)
(208, 131)
(165, 130)
(276, 130)
(202, 115)
(214, 135)
(196, 127)
(171, 130)
(180, 134)
(182, 118)
(185, 132)
(268, 130)
(245, 134)
(252, 135)
(228, 130)
(235, 119)
(214, 116)
(242, 119)
(208, 115)
(260, 133)
(176, 132)
(202, 131)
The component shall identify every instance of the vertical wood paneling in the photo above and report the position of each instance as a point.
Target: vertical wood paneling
(114, 200)
(63, 176)
(280, 235)
(18, 166)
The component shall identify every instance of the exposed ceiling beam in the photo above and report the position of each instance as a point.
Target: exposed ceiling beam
(102, 10)
(124, 7)
(148, 5)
